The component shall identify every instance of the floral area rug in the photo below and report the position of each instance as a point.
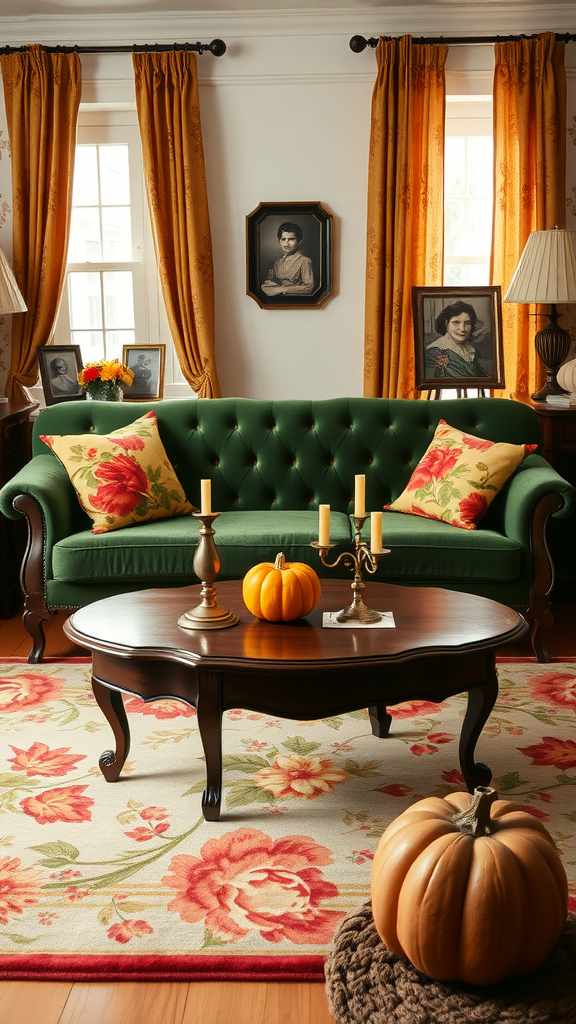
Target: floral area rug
(127, 880)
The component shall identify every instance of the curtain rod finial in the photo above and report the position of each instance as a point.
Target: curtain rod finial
(358, 43)
(217, 47)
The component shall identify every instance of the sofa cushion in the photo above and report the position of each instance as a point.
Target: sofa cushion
(165, 549)
(122, 478)
(458, 477)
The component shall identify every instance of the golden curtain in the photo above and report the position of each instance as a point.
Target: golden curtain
(405, 207)
(529, 180)
(42, 93)
(169, 118)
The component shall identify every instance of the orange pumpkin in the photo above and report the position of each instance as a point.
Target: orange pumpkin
(280, 591)
(469, 888)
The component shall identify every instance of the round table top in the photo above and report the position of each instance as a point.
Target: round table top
(427, 620)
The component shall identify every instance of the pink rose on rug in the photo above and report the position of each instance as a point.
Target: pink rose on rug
(555, 688)
(64, 803)
(395, 789)
(434, 465)
(19, 887)
(423, 748)
(160, 708)
(294, 775)
(124, 484)
(412, 708)
(27, 690)
(126, 930)
(40, 760)
(552, 751)
(246, 881)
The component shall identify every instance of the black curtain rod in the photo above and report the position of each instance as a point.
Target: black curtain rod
(359, 43)
(217, 47)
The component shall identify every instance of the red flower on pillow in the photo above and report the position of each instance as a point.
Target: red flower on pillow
(473, 507)
(477, 442)
(130, 441)
(435, 464)
(125, 483)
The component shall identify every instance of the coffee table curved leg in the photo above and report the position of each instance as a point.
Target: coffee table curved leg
(481, 700)
(209, 711)
(111, 704)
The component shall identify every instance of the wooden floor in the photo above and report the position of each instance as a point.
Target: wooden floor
(182, 1002)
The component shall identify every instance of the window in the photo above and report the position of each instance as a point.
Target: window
(111, 295)
(468, 188)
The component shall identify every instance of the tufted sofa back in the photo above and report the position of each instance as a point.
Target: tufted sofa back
(295, 454)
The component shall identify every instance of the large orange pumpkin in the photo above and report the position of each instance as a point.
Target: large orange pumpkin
(280, 591)
(469, 888)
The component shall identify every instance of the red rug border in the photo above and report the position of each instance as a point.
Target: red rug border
(183, 967)
(5, 660)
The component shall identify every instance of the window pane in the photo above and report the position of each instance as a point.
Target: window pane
(118, 299)
(478, 228)
(478, 273)
(114, 175)
(454, 165)
(84, 246)
(454, 274)
(115, 341)
(91, 345)
(116, 231)
(453, 227)
(479, 166)
(85, 301)
(85, 188)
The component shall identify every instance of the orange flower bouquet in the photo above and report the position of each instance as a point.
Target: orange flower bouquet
(106, 380)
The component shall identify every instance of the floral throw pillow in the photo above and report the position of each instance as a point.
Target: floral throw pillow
(458, 476)
(122, 478)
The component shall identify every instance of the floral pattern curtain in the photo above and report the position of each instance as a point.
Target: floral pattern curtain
(529, 185)
(169, 118)
(405, 206)
(42, 94)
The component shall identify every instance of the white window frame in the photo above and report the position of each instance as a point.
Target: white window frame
(468, 116)
(151, 323)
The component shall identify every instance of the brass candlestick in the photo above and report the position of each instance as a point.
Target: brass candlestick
(207, 614)
(361, 558)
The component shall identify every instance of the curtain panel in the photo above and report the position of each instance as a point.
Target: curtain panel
(169, 119)
(529, 181)
(405, 240)
(42, 95)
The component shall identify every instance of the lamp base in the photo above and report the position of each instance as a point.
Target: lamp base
(552, 344)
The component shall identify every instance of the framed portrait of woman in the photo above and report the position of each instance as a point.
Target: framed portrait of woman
(59, 368)
(458, 337)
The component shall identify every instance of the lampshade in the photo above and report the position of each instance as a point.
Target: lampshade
(11, 300)
(547, 269)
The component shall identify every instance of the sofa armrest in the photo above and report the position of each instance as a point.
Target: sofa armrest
(46, 481)
(534, 480)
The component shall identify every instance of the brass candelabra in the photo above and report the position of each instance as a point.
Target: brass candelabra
(207, 614)
(362, 558)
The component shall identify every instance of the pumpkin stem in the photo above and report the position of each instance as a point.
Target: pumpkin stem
(279, 561)
(475, 821)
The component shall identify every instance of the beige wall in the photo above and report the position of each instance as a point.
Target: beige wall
(286, 117)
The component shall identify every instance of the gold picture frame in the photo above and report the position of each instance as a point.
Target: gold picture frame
(147, 363)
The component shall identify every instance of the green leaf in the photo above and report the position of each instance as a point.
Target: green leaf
(132, 907)
(20, 940)
(362, 715)
(9, 780)
(58, 849)
(446, 492)
(333, 723)
(363, 771)
(423, 491)
(198, 787)
(211, 940)
(298, 745)
(142, 507)
(244, 763)
(511, 781)
(571, 817)
(240, 794)
(94, 726)
(106, 914)
(154, 474)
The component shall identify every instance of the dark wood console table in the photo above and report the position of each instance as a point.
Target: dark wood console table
(443, 643)
(14, 453)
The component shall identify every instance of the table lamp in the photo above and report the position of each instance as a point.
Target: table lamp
(547, 273)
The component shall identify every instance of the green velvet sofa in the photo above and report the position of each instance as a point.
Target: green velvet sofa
(271, 464)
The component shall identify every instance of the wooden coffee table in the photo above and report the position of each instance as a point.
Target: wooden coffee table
(443, 643)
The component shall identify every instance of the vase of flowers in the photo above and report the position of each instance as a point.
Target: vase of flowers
(106, 380)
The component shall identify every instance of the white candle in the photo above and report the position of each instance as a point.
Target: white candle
(324, 525)
(359, 495)
(375, 532)
(205, 497)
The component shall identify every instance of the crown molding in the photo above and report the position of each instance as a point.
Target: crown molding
(424, 19)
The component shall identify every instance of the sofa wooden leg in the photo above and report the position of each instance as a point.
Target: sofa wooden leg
(33, 622)
(32, 575)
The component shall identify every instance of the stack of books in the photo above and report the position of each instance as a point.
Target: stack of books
(562, 401)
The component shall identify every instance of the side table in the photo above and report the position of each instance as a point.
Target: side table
(559, 440)
(14, 453)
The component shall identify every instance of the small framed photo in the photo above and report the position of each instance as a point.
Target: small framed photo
(147, 364)
(458, 337)
(59, 369)
(289, 255)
